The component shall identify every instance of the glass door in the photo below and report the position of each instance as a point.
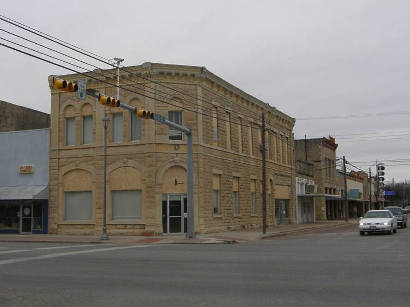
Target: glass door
(174, 213)
(27, 217)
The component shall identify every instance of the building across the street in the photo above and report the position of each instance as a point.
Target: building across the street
(24, 181)
(305, 192)
(14, 117)
(146, 161)
(321, 152)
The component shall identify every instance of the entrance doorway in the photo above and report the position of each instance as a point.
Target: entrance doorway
(26, 221)
(174, 213)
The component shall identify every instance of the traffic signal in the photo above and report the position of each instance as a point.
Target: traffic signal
(108, 101)
(380, 172)
(64, 85)
(144, 114)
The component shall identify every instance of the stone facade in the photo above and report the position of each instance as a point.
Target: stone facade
(14, 117)
(322, 153)
(227, 159)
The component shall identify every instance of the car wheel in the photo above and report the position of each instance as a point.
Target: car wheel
(362, 233)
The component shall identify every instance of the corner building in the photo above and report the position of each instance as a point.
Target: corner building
(146, 160)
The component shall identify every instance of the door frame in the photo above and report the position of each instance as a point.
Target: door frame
(183, 213)
(22, 217)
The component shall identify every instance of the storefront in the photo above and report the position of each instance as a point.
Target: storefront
(24, 181)
(23, 216)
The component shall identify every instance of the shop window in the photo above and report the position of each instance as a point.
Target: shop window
(70, 131)
(126, 204)
(10, 217)
(87, 129)
(175, 117)
(78, 206)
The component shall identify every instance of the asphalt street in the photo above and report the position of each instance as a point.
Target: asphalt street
(338, 268)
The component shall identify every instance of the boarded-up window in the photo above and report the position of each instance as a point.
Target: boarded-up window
(126, 204)
(136, 126)
(253, 197)
(87, 129)
(116, 127)
(70, 131)
(78, 206)
(216, 187)
(235, 196)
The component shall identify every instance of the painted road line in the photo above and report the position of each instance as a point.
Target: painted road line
(73, 253)
(15, 251)
(68, 246)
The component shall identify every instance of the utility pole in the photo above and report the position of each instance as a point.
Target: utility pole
(370, 188)
(377, 187)
(263, 150)
(105, 120)
(345, 184)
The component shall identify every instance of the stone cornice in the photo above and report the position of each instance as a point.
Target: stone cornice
(158, 70)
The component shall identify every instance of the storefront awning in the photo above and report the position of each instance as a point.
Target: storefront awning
(327, 196)
(24, 192)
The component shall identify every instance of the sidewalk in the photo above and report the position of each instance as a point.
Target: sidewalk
(211, 238)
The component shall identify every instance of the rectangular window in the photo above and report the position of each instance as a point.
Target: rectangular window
(235, 196)
(274, 147)
(250, 139)
(215, 126)
(240, 148)
(78, 206)
(116, 128)
(279, 149)
(126, 204)
(228, 130)
(284, 151)
(253, 197)
(216, 186)
(175, 117)
(136, 126)
(87, 129)
(70, 131)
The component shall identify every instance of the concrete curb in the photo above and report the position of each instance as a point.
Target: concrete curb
(300, 230)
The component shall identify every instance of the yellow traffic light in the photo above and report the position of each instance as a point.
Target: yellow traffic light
(145, 114)
(108, 101)
(104, 100)
(64, 85)
(114, 102)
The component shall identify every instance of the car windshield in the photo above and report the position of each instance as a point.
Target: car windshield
(395, 211)
(377, 214)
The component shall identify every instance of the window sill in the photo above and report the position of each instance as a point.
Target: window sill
(254, 215)
(125, 222)
(236, 215)
(88, 222)
(218, 216)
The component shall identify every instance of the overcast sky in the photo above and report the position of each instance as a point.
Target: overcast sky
(340, 68)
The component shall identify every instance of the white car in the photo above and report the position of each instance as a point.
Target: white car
(378, 221)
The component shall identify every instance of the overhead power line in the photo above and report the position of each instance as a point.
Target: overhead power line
(101, 59)
(114, 85)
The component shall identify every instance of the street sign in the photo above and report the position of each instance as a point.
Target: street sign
(158, 118)
(82, 88)
(389, 193)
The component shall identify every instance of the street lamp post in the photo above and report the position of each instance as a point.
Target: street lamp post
(105, 120)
